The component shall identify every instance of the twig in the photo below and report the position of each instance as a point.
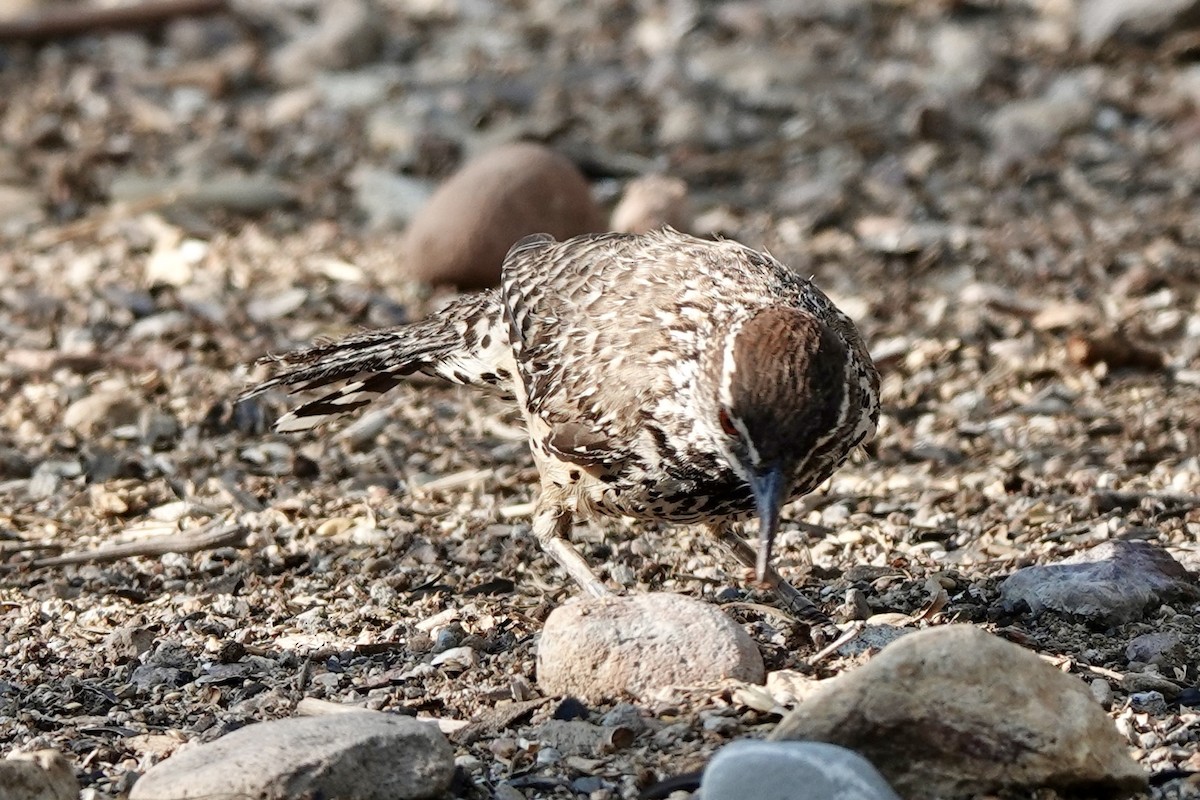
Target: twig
(313, 707)
(20, 546)
(203, 538)
(78, 18)
(455, 481)
(91, 224)
(849, 636)
(761, 608)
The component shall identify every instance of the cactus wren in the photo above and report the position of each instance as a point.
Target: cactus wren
(661, 377)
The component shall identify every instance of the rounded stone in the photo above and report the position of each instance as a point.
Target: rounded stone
(774, 770)
(613, 646)
(355, 755)
(463, 234)
(954, 710)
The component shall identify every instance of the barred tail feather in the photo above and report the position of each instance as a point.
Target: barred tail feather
(459, 344)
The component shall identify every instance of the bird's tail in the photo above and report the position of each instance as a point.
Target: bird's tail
(465, 343)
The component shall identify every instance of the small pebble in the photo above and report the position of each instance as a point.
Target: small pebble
(1148, 702)
(548, 756)
(1102, 692)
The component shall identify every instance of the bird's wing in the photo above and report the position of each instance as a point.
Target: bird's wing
(602, 336)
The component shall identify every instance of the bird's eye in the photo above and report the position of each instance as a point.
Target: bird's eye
(726, 423)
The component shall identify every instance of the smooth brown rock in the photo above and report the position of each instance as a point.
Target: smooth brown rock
(462, 235)
(604, 647)
(954, 710)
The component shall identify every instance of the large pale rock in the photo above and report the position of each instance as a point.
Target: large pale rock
(40, 775)
(954, 710)
(353, 756)
(462, 235)
(778, 770)
(612, 646)
(1112, 583)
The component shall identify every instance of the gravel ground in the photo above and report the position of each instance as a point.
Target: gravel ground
(1003, 194)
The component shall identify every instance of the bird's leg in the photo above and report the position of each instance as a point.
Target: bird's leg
(793, 601)
(551, 524)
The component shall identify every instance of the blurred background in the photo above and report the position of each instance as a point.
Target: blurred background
(1002, 193)
(197, 182)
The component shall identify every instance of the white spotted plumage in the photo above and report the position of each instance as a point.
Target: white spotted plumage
(620, 351)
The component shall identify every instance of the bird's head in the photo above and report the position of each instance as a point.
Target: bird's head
(780, 392)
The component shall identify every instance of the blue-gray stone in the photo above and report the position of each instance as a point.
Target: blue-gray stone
(791, 771)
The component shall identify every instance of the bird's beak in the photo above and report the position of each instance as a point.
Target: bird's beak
(770, 490)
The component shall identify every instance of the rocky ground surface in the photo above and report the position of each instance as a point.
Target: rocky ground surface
(1003, 194)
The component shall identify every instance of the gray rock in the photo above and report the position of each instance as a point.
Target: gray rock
(1102, 693)
(355, 756)
(873, 636)
(352, 756)
(790, 771)
(612, 646)
(1134, 682)
(813, 193)
(158, 428)
(577, 737)
(624, 715)
(1112, 583)
(1159, 647)
(147, 677)
(932, 713)
(389, 200)
(40, 775)
(1148, 702)
(246, 194)
(1024, 129)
